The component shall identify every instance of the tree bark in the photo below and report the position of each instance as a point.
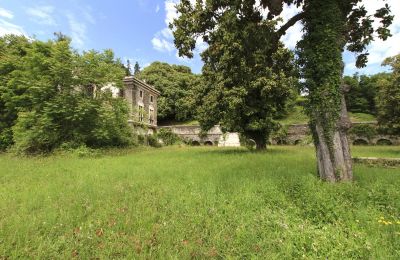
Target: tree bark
(334, 161)
(261, 141)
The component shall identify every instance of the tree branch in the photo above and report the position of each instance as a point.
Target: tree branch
(290, 23)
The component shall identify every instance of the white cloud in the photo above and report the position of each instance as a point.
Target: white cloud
(162, 45)
(78, 31)
(87, 14)
(9, 28)
(157, 8)
(6, 13)
(42, 14)
(163, 40)
(294, 33)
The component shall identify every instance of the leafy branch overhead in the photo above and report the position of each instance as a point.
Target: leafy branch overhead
(199, 20)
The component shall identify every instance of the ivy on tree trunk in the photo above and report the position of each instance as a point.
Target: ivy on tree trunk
(320, 53)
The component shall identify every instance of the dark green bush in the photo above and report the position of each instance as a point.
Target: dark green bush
(168, 137)
(364, 130)
(153, 141)
(73, 121)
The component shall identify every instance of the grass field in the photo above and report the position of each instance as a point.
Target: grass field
(183, 202)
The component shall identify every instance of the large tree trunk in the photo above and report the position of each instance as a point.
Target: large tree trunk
(322, 65)
(334, 158)
(260, 139)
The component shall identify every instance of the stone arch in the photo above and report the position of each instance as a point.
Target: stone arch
(195, 143)
(281, 142)
(208, 143)
(297, 142)
(384, 141)
(360, 141)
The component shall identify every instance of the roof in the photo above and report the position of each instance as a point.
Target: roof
(142, 84)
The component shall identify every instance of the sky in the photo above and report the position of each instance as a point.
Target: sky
(138, 29)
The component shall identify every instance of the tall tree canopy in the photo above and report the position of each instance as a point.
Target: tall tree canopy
(176, 84)
(136, 69)
(329, 27)
(50, 95)
(363, 89)
(388, 98)
(248, 80)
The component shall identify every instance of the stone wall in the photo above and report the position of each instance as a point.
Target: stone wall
(133, 88)
(296, 134)
(191, 134)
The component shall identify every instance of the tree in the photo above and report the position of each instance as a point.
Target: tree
(52, 96)
(248, 82)
(12, 51)
(128, 69)
(176, 84)
(136, 69)
(388, 98)
(362, 92)
(329, 26)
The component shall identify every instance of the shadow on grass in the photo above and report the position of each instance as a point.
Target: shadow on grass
(242, 150)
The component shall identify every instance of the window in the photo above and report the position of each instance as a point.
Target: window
(151, 116)
(140, 94)
(141, 113)
(151, 99)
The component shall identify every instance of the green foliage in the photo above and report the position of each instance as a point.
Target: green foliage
(176, 84)
(136, 69)
(363, 91)
(204, 202)
(52, 95)
(248, 76)
(388, 99)
(364, 130)
(168, 137)
(153, 141)
(281, 135)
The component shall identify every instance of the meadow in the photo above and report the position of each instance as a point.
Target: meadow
(196, 202)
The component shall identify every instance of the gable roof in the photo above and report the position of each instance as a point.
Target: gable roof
(132, 79)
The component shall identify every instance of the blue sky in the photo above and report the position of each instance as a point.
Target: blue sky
(137, 29)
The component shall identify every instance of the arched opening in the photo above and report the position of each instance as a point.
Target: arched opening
(251, 144)
(208, 143)
(384, 142)
(297, 142)
(360, 142)
(195, 143)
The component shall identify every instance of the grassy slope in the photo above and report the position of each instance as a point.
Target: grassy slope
(296, 117)
(195, 202)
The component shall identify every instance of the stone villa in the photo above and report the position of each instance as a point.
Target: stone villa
(142, 100)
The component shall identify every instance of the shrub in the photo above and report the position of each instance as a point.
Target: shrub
(281, 135)
(153, 141)
(73, 120)
(168, 137)
(364, 130)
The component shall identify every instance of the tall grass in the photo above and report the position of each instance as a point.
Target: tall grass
(201, 202)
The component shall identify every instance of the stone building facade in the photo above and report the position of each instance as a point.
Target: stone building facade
(142, 100)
